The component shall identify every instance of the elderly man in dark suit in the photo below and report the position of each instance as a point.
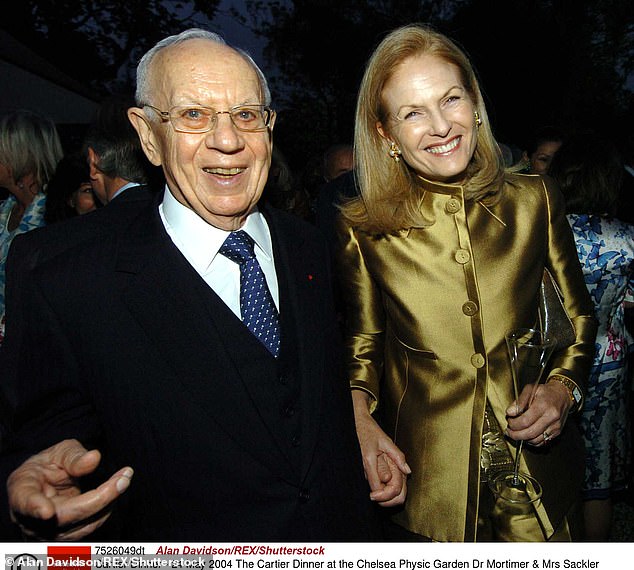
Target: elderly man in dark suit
(215, 425)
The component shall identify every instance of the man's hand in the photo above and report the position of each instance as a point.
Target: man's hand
(45, 499)
(384, 463)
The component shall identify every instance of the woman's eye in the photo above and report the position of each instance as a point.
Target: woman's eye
(413, 115)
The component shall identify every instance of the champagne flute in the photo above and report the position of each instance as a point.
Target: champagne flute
(529, 351)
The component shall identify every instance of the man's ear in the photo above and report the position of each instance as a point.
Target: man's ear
(272, 124)
(149, 143)
(97, 178)
(93, 162)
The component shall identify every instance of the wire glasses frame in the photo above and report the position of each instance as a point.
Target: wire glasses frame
(199, 119)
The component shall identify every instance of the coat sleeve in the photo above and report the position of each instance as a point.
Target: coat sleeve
(39, 388)
(562, 261)
(364, 316)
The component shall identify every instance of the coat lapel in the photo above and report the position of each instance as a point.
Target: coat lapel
(302, 277)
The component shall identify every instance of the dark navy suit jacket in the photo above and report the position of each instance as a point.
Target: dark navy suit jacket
(116, 340)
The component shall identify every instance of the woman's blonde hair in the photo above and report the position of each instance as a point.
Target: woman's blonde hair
(29, 144)
(391, 191)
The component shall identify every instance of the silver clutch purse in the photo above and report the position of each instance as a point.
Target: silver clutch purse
(552, 316)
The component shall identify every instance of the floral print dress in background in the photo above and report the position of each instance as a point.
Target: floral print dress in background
(32, 218)
(606, 250)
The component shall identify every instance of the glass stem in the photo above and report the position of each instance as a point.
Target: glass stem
(516, 467)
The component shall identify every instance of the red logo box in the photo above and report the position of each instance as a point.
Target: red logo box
(69, 557)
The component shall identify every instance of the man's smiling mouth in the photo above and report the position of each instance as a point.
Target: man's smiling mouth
(224, 171)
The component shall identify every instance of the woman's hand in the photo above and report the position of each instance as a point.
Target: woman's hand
(542, 420)
(384, 463)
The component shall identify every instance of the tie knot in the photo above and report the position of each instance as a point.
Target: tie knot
(238, 247)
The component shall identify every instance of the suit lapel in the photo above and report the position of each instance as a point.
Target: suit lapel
(160, 288)
(300, 275)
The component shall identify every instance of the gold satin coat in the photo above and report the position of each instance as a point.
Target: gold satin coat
(427, 311)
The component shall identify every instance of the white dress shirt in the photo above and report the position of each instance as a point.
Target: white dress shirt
(123, 189)
(199, 242)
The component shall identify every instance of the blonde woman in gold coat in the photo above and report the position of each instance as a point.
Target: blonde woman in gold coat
(441, 255)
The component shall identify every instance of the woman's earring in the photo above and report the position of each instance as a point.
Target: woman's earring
(395, 152)
(478, 120)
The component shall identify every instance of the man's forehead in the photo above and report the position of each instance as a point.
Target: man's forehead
(201, 53)
(203, 61)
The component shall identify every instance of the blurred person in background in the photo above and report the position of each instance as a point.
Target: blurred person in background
(30, 149)
(69, 191)
(118, 167)
(541, 149)
(589, 171)
(338, 173)
(338, 159)
(282, 191)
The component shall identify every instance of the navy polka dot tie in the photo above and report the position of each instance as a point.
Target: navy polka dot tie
(257, 307)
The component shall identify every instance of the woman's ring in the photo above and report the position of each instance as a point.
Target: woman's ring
(546, 435)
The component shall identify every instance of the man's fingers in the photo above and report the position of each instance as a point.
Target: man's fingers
(383, 468)
(80, 532)
(71, 456)
(398, 499)
(392, 493)
(82, 515)
(29, 498)
(49, 530)
(64, 514)
(79, 463)
(88, 504)
(47, 474)
(28, 493)
(393, 483)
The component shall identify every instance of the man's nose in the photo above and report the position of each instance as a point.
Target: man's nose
(225, 135)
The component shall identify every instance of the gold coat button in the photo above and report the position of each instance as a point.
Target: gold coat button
(470, 308)
(477, 360)
(462, 256)
(453, 205)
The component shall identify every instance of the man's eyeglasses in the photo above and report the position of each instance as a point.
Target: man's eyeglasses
(198, 119)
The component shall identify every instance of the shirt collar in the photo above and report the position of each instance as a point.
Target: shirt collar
(200, 241)
(123, 189)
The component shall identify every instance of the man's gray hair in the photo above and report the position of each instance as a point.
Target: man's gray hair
(143, 89)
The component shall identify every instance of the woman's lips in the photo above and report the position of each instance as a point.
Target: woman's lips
(444, 148)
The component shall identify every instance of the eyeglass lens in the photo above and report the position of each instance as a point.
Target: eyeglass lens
(204, 118)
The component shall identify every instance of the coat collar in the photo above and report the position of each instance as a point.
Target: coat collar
(434, 189)
(440, 187)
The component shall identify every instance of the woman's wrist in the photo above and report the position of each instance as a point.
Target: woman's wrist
(574, 392)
